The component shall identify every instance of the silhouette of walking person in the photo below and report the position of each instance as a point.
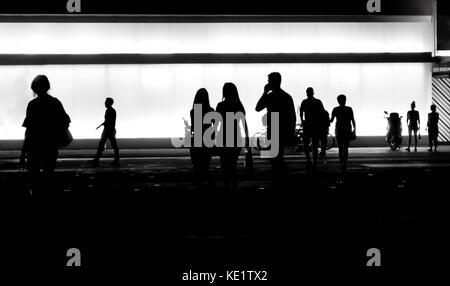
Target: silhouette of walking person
(231, 105)
(109, 133)
(276, 100)
(45, 122)
(200, 156)
(413, 121)
(433, 128)
(344, 133)
(311, 116)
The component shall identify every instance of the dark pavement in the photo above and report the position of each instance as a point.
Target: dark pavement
(147, 219)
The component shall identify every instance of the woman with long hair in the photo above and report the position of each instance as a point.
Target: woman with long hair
(231, 105)
(200, 156)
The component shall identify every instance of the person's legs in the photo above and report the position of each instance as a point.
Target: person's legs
(345, 146)
(315, 150)
(233, 167)
(101, 146)
(323, 145)
(49, 161)
(409, 139)
(415, 139)
(206, 161)
(430, 141)
(113, 140)
(306, 148)
(278, 164)
(225, 164)
(195, 164)
(435, 139)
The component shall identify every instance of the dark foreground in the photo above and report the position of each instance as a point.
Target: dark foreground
(146, 220)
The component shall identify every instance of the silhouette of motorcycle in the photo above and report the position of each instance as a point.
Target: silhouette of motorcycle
(394, 130)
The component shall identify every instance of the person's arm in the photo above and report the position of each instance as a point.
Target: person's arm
(24, 150)
(302, 111)
(418, 119)
(353, 120)
(104, 122)
(292, 117)
(100, 125)
(408, 118)
(262, 102)
(333, 115)
(247, 138)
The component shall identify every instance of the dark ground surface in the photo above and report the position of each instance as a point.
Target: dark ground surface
(147, 220)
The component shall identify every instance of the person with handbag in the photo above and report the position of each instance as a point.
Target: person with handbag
(344, 133)
(46, 122)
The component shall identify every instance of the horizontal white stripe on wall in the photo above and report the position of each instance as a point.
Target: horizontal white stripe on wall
(149, 38)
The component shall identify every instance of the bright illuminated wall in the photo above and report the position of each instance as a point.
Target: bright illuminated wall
(152, 99)
(149, 38)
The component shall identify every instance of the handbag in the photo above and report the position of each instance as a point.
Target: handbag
(65, 138)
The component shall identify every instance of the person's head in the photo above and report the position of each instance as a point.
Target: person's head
(342, 99)
(230, 92)
(109, 102)
(202, 97)
(40, 85)
(310, 92)
(433, 107)
(413, 105)
(274, 80)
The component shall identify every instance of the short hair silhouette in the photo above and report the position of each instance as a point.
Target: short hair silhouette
(413, 104)
(342, 99)
(275, 78)
(109, 101)
(433, 107)
(40, 84)
(310, 91)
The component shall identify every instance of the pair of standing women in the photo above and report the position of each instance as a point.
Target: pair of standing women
(201, 156)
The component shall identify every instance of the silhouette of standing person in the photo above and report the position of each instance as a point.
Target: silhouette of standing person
(45, 121)
(413, 121)
(311, 116)
(344, 121)
(200, 156)
(276, 100)
(231, 105)
(433, 129)
(109, 133)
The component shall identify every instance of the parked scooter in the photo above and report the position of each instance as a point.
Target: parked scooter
(394, 130)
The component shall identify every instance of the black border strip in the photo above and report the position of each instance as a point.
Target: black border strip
(159, 18)
(104, 59)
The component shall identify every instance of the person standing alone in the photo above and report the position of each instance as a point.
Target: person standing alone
(413, 120)
(109, 133)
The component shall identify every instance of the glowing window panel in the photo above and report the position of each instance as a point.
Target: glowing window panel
(152, 99)
(156, 38)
